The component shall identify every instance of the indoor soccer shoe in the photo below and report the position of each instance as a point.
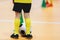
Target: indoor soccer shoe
(15, 36)
(29, 36)
(22, 33)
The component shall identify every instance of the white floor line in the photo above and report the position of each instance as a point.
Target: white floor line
(36, 22)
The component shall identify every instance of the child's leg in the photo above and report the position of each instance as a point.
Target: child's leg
(16, 23)
(26, 10)
(28, 23)
(17, 8)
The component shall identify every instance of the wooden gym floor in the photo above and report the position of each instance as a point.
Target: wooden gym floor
(45, 21)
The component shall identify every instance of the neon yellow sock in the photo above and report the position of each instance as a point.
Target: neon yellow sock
(16, 25)
(28, 25)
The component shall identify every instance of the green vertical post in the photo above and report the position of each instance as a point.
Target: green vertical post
(43, 4)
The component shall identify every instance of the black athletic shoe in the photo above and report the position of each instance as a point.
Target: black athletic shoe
(23, 34)
(15, 36)
(29, 36)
